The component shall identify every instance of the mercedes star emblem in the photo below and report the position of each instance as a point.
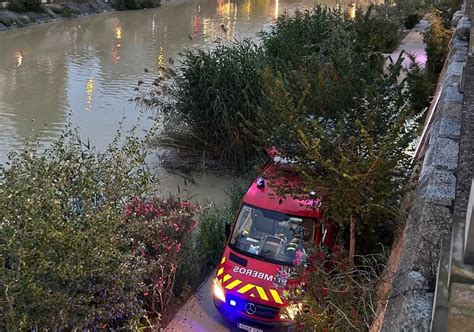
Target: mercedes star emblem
(250, 308)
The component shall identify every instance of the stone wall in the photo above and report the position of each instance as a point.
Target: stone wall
(429, 222)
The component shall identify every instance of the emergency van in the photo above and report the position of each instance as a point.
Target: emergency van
(270, 230)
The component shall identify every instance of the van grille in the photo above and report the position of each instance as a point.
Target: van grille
(262, 311)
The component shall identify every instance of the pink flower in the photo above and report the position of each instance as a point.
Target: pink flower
(298, 257)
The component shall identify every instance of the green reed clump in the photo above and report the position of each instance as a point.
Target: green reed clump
(215, 100)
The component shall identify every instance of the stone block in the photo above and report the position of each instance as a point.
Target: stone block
(451, 94)
(456, 18)
(459, 43)
(469, 229)
(447, 128)
(442, 153)
(449, 109)
(455, 69)
(459, 55)
(453, 73)
(463, 29)
(438, 187)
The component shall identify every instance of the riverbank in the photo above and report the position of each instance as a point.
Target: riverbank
(53, 12)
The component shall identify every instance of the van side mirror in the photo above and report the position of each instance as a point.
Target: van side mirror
(227, 227)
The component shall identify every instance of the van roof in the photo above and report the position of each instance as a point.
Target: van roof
(272, 196)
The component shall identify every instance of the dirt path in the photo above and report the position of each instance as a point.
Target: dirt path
(413, 44)
(199, 313)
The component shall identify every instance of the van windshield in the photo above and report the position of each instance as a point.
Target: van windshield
(271, 235)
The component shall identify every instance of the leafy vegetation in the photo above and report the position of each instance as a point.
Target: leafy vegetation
(82, 244)
(20, 6)
(357, 161)
(338, 295)
(136, 4)
(437, 39)
(216, 106)
(376, 31)
(215, 100)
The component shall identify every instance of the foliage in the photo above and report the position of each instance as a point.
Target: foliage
(215, 98)
(295, 38)
(216, 106)
(158, 228)
(436, 39)
(211, 236)
(409, 12)
(204, 250)
(357, 161)
(20, 6)
(64, 262)
(136, 4)
(446, 9)
(412, 20)
(338, 296)
(190, 265)
(376, 31)
(421, 83)
(64, 11)
(82, 244)
(69, 12)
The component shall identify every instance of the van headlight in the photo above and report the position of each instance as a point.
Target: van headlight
(218, 291)
(291, 311)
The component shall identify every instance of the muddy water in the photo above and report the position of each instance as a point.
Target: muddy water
(86, 70)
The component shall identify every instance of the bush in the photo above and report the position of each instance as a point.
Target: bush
(211, 236)
(421, 84)
(412, 20)
(136, 4)
(158, 229)
(20, 6)
(446, 10)
(191, 264)
(338, 296)
(82, 245)
(69, 12)
(65, 263)
(217, 106)
(436, 39)
(297, 37)
(376, 31)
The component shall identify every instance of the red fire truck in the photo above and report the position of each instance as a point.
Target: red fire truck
(269, 232)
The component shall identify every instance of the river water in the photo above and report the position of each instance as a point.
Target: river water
(86, 70)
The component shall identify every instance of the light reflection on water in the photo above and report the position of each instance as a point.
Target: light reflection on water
(91, 66)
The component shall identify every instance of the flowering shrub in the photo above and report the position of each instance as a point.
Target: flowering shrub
(65, 262)
(76, 253)
(332, 294)
(158, 229)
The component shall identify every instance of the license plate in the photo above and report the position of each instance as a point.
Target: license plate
(248, 328)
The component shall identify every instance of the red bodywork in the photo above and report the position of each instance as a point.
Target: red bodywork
(245, 279)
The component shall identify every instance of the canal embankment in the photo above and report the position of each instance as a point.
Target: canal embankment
(52, 12)
(421, 270)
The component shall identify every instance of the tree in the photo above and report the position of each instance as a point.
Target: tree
(356, 160)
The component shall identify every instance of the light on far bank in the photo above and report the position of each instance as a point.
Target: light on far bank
(19, 58)
(118, 32)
